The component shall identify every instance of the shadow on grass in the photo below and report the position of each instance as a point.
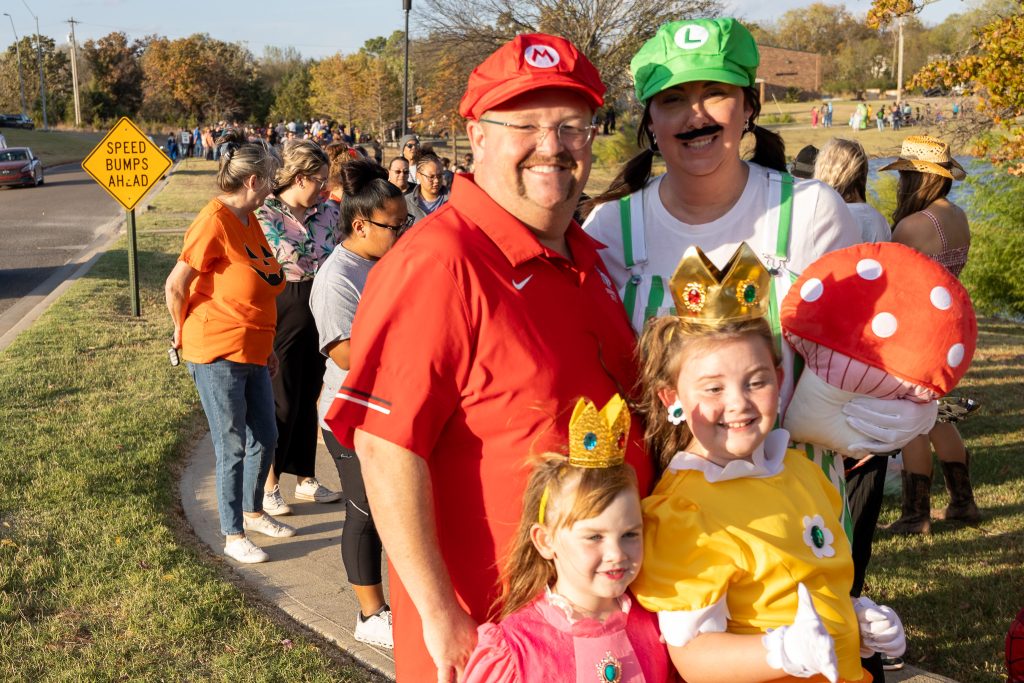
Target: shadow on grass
(192, 171)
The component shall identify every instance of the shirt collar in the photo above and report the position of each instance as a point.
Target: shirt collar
(512, 237)
(766, 461)
(567, 608)
(277, 205)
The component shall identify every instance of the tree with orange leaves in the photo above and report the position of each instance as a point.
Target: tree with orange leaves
(993, 70)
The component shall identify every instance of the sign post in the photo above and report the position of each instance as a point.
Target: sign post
(127, 164)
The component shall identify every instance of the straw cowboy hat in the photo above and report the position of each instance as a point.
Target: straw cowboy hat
(925, 154)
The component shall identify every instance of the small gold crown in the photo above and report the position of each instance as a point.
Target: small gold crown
(703, 293)
(598, 439)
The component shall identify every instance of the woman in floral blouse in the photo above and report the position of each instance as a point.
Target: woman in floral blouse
(301, 229)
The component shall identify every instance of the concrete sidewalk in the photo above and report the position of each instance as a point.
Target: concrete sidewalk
(305, 577)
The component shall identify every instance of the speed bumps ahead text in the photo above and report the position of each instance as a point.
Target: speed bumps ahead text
(126, 163)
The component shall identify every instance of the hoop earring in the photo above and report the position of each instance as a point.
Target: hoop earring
(748, 126)
(675, 413)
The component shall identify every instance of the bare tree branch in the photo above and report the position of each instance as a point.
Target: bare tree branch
(609, 32)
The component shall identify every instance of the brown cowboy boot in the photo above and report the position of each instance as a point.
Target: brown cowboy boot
(961, 496)
(916, 517)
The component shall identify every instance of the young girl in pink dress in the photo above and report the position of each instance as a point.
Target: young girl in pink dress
(566, 615)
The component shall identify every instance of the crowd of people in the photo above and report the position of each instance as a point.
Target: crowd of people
(894, 115)
(570, 438)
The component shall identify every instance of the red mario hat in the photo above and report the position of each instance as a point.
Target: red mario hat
(529, 62)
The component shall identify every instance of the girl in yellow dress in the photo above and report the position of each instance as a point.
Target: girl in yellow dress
(746, 565)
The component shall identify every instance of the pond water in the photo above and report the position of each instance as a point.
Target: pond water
(959, 192)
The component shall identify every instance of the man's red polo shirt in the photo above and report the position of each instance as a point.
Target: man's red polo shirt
(470, 347)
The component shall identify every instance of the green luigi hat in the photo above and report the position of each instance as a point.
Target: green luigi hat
(719, 50)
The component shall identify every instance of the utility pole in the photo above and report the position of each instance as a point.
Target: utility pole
(74, 73)
(899, 65)
(406, 6)
(39, 58)
(21, 79)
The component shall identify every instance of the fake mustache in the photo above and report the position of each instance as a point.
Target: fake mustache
(700, 132)
(563, 159)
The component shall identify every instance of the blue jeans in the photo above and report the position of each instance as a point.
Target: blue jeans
(239, 405)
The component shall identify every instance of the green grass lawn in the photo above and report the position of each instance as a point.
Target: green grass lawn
(54, 146)
(959, 589)
(100, 578)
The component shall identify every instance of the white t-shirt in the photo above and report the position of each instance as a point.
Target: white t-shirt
(820, 223)
(873, 226)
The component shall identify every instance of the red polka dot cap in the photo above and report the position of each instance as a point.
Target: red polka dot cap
(888, 307)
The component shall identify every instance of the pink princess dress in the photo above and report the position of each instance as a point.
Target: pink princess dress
(545, 641)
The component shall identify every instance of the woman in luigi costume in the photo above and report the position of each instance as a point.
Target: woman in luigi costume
(697, 82)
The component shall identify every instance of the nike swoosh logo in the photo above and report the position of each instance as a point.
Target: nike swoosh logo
(521, 283)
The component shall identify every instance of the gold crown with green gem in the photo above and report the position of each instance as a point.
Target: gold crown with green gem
(705, 294)
(597, 438)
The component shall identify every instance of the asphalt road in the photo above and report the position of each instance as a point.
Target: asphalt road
(44, 228)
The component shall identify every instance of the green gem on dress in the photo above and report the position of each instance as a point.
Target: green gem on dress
(609, 669)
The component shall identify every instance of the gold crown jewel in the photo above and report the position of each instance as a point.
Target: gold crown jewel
(703, 293)
(598, 438)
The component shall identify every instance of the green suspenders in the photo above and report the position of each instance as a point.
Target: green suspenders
(781, 256)
(656, 296)
(828, 460)
(626, 222)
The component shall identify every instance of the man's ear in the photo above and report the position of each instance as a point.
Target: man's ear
(667, 396)
(542, 540)
(475, 133)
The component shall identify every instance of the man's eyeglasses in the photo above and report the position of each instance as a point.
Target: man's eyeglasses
(571, 136)
(409, 220)
(431, 178)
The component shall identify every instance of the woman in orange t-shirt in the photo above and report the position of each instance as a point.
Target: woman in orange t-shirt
(221, 295)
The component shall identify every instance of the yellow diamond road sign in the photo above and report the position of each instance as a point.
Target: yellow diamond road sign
(126, 163)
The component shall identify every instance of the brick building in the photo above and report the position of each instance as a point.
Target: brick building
(782, 69)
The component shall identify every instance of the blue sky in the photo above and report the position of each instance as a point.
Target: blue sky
(315, 27)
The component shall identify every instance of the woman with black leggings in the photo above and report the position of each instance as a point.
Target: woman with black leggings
(373, 214)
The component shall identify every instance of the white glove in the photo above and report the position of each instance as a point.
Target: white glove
(880, 629)
(805, 648)
(888, 423)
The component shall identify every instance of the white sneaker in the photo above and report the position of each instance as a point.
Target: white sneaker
(245, 551)
(313, 490)
(273, 503)
(268, 526)
(375, 630)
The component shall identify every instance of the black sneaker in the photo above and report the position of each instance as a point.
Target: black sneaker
(892, 663)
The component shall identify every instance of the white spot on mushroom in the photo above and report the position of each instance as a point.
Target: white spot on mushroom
(812, 290)
(884, 325)
(955, 355)
(869, 269)
(941, 298)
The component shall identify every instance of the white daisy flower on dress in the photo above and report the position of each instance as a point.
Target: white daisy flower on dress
(818, 537)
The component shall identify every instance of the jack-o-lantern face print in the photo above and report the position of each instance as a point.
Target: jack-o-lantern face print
(265, 267)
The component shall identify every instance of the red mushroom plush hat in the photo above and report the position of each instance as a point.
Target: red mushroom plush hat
(889, 307)
(880, 320)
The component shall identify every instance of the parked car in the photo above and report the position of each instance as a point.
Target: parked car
(16, 121)
(18, 166)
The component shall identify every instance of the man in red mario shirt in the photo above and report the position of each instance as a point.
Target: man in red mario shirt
(475, 336)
